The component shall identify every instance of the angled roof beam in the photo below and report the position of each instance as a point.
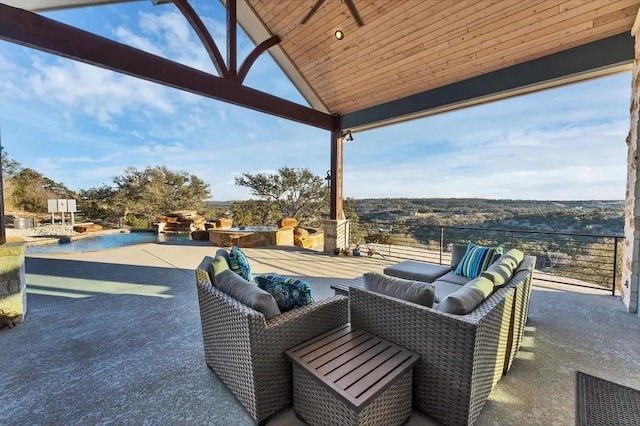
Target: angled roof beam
(35, 31)
(255, 53)
(257, 32)
(599, 58)
(204, 35)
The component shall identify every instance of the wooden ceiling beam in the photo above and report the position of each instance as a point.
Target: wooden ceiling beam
(29, 29)
(575, 64)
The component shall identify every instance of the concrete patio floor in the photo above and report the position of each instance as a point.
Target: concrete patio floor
(113, 337)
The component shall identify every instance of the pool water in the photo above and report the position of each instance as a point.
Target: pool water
(106, 242)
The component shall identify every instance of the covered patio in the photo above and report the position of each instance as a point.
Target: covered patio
(114, 337)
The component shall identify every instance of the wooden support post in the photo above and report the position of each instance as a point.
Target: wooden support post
(336, 169)
(232, 40)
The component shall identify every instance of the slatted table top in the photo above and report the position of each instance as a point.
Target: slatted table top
(354, 364)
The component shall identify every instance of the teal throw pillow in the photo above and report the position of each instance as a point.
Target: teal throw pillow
(476, 260)
(239, 263)
(290, 293)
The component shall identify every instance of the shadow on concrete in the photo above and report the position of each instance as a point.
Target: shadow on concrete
(56, 280)
(134, 274)
(287, 249)
(185, 242)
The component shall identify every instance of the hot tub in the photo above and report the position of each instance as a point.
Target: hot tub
(251, 236)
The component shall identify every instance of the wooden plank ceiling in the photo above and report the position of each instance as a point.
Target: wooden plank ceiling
(409, 46)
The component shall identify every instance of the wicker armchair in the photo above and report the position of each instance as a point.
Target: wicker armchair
(247, 352)
(462, 356)
(521, 282)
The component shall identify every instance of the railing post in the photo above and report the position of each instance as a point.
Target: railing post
(441, 242)
(615, 265)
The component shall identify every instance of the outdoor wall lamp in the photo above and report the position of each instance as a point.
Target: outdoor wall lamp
(339, 34)
(347, 136)
(328, 178)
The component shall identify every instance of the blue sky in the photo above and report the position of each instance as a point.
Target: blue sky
(82, 125)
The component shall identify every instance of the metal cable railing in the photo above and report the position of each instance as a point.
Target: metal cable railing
(576, 259)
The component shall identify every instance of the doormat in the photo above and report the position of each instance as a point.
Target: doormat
(601, 402)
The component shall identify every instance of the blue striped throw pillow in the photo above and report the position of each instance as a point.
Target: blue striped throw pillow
(476, 260)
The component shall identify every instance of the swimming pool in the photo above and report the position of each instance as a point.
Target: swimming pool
(108, 241)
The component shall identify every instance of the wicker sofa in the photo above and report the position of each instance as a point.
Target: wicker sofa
(462, 356)
(247, 352)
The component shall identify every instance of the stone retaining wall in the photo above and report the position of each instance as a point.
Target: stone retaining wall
(632, 206)
(13, 294)
(244, 239)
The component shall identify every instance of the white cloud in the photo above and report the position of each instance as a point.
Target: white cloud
(99, 93)
(168, 22)
(180, 41)
(128, 37)
(6, 65)
(578, 162)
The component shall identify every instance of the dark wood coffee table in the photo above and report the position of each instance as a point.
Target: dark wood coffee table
(351, 377)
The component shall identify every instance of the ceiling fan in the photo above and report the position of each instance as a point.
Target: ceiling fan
(350, 5)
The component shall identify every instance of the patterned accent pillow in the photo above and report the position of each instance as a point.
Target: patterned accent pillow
(476, 260)
(290, 293)
(239, 263)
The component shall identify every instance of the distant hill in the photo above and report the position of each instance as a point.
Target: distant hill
(590, 216)
(223, 206)
(601, 217)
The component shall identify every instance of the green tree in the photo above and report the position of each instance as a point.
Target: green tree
(145, 194)
(97, 202)
(10, 167)
(253, 212)
(349, 209)
(31, 190)
(293, 192)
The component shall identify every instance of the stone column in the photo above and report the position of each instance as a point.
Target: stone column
(631, 246)
(336, 234)
(13, 294)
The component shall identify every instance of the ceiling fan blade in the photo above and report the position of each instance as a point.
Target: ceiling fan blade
(313, 10)
(354, 12)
